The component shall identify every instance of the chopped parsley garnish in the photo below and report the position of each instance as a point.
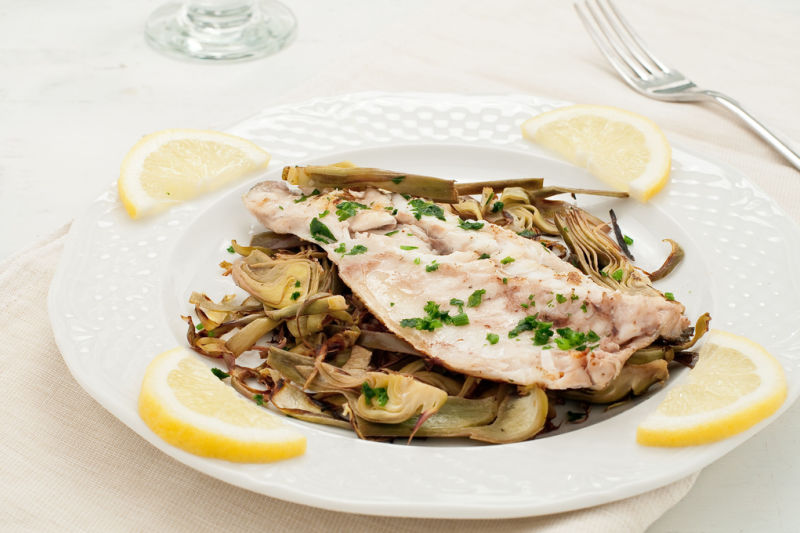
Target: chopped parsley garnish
(530, 323)
(422, 208)
(324, 214)
(542, 334)
(389, 234)
(406, 247)
(484, 256)
(507, 260)
(303, 198)
(475, 298)
(497, 206)
(505, 281)
(320, 232)
(280, 207)
(560, 298)
(489, 199)
(617, 275)
(669, 296)
(460, 319)
(437, 318)
(406, 196)
(493, 338)
(433, 266)
(583, 307)
(378, 393)
(219, 373)
(528, 234)
(259, 398)
(391, 304)
(524, 306)
(417, 260)
(231, 250)
(458, 303)
(357, 249)
(296, 283)
(212, 333)
(469, 224)
(394, 211)
(575, 340)
(398, 180)
(295, 295)
(346, 210)
(199, 327)
(573, 297)
(627, 240)
(341, 249)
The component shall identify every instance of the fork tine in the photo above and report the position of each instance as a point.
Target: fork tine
(617, 61)
(624, 38)
(613, 38)
(631, 33)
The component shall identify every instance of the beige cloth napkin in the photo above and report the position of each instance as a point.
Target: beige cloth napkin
(66, 464)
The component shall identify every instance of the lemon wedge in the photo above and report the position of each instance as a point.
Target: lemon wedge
(735, 384)
(187, 406)
(171, 166)
(627, 151)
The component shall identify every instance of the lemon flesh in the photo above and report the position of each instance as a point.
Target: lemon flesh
(627, 151)
(190, 408)
(735, 384)
(172, 166)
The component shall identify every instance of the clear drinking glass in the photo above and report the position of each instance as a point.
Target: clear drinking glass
(225, 30)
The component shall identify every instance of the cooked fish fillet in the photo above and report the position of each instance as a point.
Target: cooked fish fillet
(520, 279)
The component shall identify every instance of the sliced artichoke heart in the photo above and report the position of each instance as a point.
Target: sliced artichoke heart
(280, 281)
(405, 397)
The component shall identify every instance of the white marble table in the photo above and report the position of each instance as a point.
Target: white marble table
(78, 86)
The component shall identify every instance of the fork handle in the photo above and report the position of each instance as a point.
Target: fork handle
(736, 108)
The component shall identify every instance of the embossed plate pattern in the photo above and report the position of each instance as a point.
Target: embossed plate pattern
(115, 300)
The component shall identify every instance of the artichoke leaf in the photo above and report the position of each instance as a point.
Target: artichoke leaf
(405, 397)
(452, 420)
(518, 418)
(632, 378)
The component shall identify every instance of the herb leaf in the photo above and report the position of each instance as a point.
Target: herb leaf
(378, 393)
(422, 208)
(469, 224)
(346, 210)
(321, 232)
(475, 298)
(406, 247)
(493, 338)
(507, 260)
(219, 373)
(357, 249)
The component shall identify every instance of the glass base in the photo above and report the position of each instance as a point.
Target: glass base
(240, 32)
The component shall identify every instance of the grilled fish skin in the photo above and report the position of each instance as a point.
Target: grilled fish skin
(520, 279)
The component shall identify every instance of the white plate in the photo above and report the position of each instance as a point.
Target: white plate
(121, 286)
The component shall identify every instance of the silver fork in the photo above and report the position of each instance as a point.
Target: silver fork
(630, 57)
